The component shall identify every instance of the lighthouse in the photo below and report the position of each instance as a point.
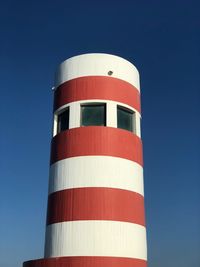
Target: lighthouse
(95, 212)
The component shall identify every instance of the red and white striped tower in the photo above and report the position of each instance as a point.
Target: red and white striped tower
(95, 214)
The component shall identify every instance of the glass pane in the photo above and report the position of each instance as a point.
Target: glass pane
(124, 119)
(93, 115)
(63, 121)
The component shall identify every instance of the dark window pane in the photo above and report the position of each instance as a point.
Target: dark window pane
(124, 119)
(63, 121)
(93, 115)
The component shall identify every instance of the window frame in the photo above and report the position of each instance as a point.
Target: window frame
(86, 104)
(57, 119)
(130, 111)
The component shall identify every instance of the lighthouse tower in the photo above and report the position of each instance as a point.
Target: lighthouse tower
(95, 215)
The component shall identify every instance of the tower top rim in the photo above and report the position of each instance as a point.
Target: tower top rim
(96, 54)
(97, 64)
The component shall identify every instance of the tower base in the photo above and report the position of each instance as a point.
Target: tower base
(86, 261)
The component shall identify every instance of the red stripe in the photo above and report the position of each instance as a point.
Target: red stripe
(86, 262)
(94, 203)
(97, 87)
(96, 140)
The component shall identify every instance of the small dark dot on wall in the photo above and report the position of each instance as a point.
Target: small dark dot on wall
(110, 72)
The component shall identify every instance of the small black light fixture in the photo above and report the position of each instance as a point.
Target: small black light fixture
(110, 72)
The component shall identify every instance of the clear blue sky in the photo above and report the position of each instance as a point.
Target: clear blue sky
(162, 38)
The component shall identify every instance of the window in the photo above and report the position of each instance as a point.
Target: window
(93, 114)
(125, 118)
(63, 121)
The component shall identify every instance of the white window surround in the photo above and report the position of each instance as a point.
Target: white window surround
(111, 114)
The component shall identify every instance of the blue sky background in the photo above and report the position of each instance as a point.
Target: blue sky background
(162, 38)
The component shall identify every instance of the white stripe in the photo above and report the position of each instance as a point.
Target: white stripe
(97, 65)
(111, 120)
(96, 171)
(96, 238)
